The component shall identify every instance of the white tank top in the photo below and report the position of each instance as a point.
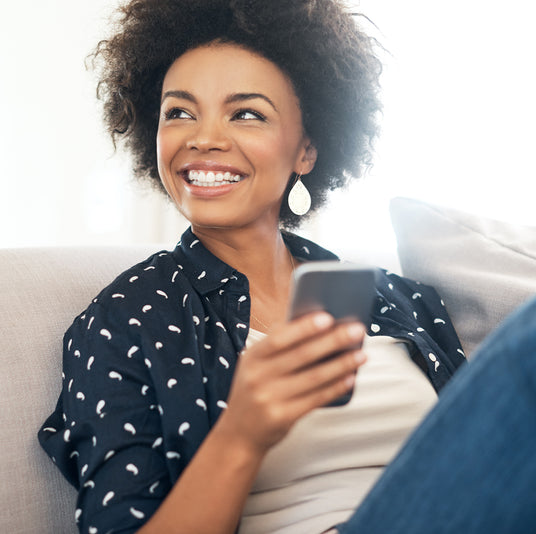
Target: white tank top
(320, 472)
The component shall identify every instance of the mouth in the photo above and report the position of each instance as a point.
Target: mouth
(211, 178)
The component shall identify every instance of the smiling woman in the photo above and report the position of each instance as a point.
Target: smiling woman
(242, 100)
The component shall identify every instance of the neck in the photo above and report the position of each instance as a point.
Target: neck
(259, 253)
(262, 256)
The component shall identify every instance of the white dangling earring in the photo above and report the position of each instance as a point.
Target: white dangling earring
(299, 199)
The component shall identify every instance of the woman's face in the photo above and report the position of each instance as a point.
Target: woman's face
(230, 136)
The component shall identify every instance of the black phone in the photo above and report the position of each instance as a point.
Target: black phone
(344, 290)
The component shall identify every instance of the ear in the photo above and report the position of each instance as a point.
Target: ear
(308, 157)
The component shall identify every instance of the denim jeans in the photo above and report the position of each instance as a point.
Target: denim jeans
(470, 467)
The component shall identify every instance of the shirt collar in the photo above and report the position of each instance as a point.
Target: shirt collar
(208, 273)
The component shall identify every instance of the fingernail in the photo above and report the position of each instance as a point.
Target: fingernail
(323, 320)
(360, 357)
(350, 381)
(355, 331)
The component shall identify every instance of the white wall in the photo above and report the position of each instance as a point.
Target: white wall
(59, 180)
(460, 113)
(460, 106)
(458, 125)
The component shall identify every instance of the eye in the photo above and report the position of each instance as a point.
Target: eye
(248, 115)
(177, 113)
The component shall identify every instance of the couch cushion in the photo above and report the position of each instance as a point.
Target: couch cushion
(482, 268)
(42, 291)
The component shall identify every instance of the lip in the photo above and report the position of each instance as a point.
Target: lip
(210, 192)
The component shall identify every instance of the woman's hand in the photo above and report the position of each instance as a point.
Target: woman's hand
(288, 374)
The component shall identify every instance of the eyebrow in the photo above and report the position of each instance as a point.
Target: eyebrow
(185, 95)
(232, 98)
(241, 97)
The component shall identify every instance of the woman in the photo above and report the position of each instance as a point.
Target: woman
(189, 404)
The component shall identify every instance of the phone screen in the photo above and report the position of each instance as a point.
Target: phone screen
(344, 290)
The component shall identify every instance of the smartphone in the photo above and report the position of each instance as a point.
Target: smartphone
(344, 290)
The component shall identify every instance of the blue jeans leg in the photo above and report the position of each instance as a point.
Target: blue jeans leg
(470, 467)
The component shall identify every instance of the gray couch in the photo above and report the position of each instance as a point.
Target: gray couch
(42, 290)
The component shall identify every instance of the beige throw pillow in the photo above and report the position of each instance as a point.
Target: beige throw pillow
(482, 268)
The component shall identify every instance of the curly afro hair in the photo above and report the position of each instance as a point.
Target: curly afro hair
(332, 64)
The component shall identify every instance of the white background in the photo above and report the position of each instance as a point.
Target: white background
(458, 126)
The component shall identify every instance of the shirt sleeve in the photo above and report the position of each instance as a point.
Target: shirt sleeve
(106, 435)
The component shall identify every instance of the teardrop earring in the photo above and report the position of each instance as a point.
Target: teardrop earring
(299, 199)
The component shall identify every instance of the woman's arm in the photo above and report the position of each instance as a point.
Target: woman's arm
(277, 381)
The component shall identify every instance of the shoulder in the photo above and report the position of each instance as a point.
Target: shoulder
(133, 302)
(391, 283)
(159, 269)
(407, 294)
(160, 274)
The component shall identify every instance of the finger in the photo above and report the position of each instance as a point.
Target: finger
(320, 397)
(294, 332)
(324, 396)
(323, 375)
(341, 338)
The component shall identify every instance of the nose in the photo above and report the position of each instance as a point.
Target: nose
(208, 135)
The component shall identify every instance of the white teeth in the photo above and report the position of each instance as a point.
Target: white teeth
(211, 179)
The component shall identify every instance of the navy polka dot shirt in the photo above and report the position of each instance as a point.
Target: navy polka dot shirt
(148, 366)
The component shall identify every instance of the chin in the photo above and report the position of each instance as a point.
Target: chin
(215, 222)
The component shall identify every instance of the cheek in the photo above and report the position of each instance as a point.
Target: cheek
(164, 155)
(275, 153)
(163, 148)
